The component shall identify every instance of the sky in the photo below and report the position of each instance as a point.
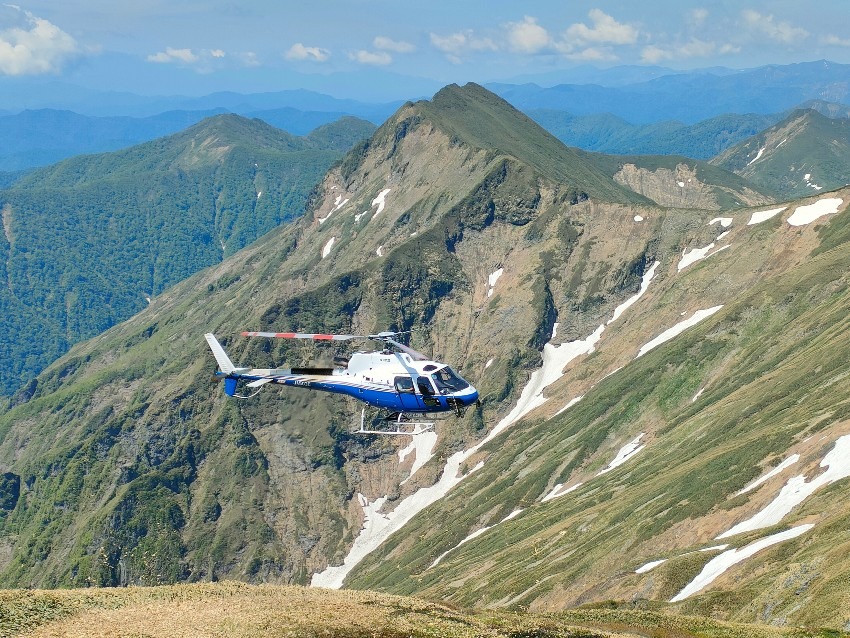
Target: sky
(158, 47)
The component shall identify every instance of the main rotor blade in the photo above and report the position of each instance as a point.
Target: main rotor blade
(415, 354)
(303, 335)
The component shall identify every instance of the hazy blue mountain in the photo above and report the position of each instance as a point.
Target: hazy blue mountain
(45, 136)
(694, 96)
(607, 133)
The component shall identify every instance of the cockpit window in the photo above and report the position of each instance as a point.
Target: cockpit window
(448, 381)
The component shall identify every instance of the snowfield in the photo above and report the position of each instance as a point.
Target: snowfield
(719, 564)
(679, 328)
(807, 214)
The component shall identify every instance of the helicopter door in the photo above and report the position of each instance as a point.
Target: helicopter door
(407, 394)
(427, 392)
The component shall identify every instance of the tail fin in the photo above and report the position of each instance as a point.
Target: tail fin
(221, 357)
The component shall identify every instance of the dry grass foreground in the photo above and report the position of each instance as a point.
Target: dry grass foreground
(237, 609)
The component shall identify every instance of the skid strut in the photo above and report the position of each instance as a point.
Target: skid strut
(396, 424)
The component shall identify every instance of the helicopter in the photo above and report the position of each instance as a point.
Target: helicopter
(403, 384)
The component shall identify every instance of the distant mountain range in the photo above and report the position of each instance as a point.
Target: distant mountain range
(629, 110)
(692, 97)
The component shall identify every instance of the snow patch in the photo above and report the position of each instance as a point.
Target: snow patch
(638, 218)
(378, 527)
(693, 256)
(649, 566)
(422, 445)
(775, 471)
(326, 250)
(488, 364)
(626, 452)
(758, 155)
(723, 221)
(807, 177)
(380, 251)
(557, 491)
(719, 564)
(380, 201)
(763, 215)
(359, 216)
(473, 535)
(644, 284)
(259, 194)
(338, 203)
(697, 395)
(676, 330)
(570, 404)
(807, 214)
(492, 279)
(797, 490)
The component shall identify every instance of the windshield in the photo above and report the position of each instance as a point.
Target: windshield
(447, 380)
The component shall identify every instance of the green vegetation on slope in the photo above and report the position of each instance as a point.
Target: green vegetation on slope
(771, 365)
(89, 241)
(805, 153)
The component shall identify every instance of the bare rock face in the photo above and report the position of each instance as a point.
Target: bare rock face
(682, 188)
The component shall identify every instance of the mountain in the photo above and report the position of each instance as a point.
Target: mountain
(20, 94)
(46, 136)
(692, 97)
(805, 153)
(88, 242)
(651, 378)
(606, 133)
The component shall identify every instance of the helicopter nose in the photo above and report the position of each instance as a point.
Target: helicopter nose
(470, 396)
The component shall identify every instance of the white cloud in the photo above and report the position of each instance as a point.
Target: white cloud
(377, 58)
(527, 36)
(780, 31)
(396, 46)
(836, 41)
(31, 45)
(694, 48)
(594, 54)
(300, 52)
(217, 53)
(698, 16)
(456, 44)
(248, 58)
(174, 55)
(605, 30)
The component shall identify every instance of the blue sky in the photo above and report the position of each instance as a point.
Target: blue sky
(191, 47)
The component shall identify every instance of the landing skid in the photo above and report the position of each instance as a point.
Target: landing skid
(396, 423)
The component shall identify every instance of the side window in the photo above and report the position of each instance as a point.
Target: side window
(404, 384)
(424, 387)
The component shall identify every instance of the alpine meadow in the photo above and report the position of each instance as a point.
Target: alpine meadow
(660, 343)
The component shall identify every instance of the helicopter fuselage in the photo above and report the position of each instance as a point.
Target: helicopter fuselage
(393, 381)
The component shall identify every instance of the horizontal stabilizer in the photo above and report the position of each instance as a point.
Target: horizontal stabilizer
(259, 382)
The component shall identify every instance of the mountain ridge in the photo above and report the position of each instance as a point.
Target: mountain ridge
(133, 468)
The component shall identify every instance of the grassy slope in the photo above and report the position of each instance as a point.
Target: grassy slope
(771, 362)
(813, 144)
(238, 610)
